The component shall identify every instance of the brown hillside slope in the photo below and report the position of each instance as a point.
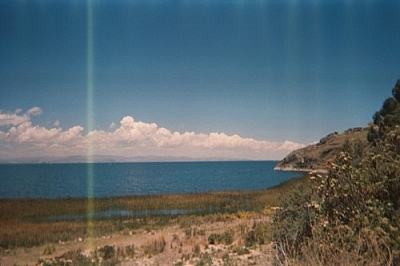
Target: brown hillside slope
(315, 156)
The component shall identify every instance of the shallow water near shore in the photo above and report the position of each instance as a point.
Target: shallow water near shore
(117, 213)
(51, 181)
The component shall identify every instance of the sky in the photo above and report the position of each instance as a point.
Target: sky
(199, 79)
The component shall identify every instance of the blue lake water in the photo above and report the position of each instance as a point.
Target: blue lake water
(127, 179)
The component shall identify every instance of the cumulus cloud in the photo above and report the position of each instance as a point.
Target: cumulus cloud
(34, 111)
(289, 145)
(12, 119)
(15, 119)
(130, 138)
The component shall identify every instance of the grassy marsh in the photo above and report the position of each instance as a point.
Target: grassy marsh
(22, 222)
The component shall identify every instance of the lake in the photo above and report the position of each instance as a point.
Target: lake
(126, 179)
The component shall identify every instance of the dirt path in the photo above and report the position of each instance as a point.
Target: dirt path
(171, 245)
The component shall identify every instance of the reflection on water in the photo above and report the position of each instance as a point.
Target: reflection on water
(119, 213)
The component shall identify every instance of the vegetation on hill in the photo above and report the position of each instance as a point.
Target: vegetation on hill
(351, 214)
(316, 156)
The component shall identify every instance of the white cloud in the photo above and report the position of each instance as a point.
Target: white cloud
(12, 119)
(34, 111)
(289, 145)
(130, 138)
(56, 123)
(15, 119)
(36, 135)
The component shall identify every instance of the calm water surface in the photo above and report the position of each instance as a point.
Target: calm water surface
(124, 179)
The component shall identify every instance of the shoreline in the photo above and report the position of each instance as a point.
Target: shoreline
(149, 196)
(294, 169)
(26, 240)
(198, 203)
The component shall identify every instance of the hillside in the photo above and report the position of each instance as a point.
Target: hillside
(315, 156)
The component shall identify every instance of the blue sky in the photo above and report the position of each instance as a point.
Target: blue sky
(268, 72)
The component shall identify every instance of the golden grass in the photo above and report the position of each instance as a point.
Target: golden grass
(155, 246)
(23, 221)
(31, 209)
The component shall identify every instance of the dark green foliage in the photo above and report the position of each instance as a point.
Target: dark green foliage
(389, 107)
(227, 237)
(75, 258)
(293, 221)
(130, 251)
(48, 250)
(111, 262)
(243, 251)
(214, 239)
(205, 259)
(107, 252)
(356, 149)
(258, 234)
(224, 238)
(396, 91)
(252, 239)
(351, 215)
(348, 218)
(388, 117)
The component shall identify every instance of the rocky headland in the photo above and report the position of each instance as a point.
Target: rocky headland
(314, 157)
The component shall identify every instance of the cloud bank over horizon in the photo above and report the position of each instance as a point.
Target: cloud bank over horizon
(20, 138)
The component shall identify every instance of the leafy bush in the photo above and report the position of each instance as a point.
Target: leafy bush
(227, 237)
(224, 238)
(130, 251)
(350, 216)
(107, 252)
(347, 218)
(243, 251)
(214, 239)
(75, 257)
(257, 235)
(49, 249)
(293, 222)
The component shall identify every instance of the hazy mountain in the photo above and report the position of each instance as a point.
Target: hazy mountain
(110, 159)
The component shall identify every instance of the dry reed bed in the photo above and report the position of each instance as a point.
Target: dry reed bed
(23, 223)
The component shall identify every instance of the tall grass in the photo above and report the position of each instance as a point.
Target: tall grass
(25, 223)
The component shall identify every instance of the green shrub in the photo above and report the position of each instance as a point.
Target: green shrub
(74, 257)
(253, 238)
(130, 251)
(48, 250)
(292, 223)
(205, 259)
(351, 214)
(224, 238)
(346, 219)
(243, 251)
(227, 237)
(214, 239)
(107, 252)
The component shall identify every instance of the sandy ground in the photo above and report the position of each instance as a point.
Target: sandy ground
(179, 246)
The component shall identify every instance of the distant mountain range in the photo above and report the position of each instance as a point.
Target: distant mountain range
(111, 159)
(316, 156)
(311, 157)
